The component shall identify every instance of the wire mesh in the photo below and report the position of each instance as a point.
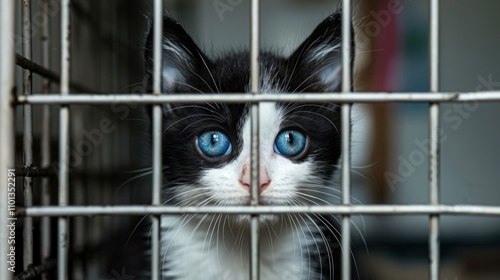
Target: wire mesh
(63, 211)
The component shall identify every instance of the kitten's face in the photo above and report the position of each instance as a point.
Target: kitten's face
(206, 149)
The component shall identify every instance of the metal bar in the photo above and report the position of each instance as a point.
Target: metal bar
(140, 210)
(7, 143)
(27, 134)
(44, 71)
(434, 171)
(156, 191)
(32, 272)
(346, 47)
(157, 139)
(25, 171)
(26, 63)
(63, 232)
(434, 46)
(373, 97)
(45, 236)
(63, 241)
(434, 149)
(346, 140)
(80, 236)
(254, 164)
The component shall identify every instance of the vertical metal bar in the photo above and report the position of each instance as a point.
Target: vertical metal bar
(45, 138)
(27, 135)
(346, 138)
(157, 139)
(7, 143)
(63, 234)
(434, 127)
(254, 165)
(79, 237)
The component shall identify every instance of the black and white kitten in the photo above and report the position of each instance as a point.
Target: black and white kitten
(206, 157)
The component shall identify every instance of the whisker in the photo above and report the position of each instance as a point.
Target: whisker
(130, 180)
(209, 72)
(322, 116)
(313, 75)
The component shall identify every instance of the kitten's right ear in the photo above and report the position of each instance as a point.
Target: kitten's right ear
(321, 54)
(181, 56)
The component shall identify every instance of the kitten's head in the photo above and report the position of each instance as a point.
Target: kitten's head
(206, 147)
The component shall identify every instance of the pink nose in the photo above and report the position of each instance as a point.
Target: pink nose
(264, 179)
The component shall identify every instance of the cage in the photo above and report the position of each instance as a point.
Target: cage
(80, 171)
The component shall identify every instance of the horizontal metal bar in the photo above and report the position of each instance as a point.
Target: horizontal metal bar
(28, 64)
(372, 97)
(327, 209)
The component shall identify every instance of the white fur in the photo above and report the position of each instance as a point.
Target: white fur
(171, 72)
(324, 51)
(330, 55)
(180, 53)
(217, 249)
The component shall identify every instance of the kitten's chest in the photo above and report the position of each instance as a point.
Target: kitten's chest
(214, 250)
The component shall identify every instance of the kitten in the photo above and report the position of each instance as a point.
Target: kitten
(206, 157)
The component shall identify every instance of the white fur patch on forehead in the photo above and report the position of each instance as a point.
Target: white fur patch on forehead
(270, 119)
(268, 82)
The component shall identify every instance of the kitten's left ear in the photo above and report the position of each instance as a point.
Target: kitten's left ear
(320, 54)
(182, 58)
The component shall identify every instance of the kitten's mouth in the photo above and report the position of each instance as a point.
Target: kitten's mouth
(266, 201)
(262, 202)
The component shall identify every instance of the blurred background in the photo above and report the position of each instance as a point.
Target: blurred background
(389, 140)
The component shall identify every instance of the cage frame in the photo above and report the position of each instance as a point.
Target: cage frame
(63, 211)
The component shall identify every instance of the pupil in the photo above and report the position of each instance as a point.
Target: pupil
(215, 139)
(289, 138)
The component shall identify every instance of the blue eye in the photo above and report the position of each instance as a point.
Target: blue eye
(214, 144)
(290, 143)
